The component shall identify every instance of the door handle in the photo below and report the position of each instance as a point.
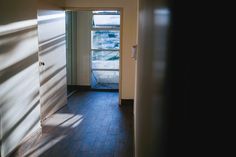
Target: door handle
(41, 63)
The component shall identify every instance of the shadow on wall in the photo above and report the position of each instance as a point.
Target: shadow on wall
(19, 71)
(19, 82)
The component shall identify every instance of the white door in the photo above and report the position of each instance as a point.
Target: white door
(52, 58)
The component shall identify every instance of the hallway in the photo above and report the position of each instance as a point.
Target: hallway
(91, 125)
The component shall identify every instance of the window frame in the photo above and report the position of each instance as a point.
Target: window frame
(108, 29)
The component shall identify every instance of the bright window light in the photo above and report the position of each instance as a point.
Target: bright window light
(107, 21)
(106, 12)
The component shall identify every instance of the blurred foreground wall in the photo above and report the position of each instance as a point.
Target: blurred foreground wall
(159, 84)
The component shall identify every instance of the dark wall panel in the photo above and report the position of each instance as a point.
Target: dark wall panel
(154, 21)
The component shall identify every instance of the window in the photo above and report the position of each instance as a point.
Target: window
(106, 39)
(105, 49)
(105, 60)
(106, 21)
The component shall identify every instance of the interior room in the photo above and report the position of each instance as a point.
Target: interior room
(83, 78)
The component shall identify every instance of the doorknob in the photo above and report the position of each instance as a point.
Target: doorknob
(41, 63)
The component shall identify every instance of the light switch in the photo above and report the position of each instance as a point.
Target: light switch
(134, 51)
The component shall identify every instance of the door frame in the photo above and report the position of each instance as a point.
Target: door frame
(121, 36)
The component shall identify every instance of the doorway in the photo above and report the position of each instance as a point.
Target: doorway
(105, 49)
(93, 49)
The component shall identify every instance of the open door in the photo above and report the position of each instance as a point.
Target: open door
(52, 58)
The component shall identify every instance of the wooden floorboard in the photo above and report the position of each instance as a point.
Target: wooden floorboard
(91, 125)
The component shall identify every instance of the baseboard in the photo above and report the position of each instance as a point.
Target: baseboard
(105, 90)
(71, 89)
(84, 88)
(78, 88)
(89, 88)
(75, 88)
(127, 101)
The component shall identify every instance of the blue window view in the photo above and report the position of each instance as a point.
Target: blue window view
(105, 45)
(105, 60)
(105, 39)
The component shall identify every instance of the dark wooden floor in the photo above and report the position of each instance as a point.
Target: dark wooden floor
(91, 125)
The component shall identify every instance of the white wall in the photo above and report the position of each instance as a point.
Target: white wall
(19, 70)
(19, 75)
(129, 37)
(83, 47)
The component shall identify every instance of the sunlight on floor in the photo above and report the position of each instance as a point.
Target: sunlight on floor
(58, 120)
(64, 120)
